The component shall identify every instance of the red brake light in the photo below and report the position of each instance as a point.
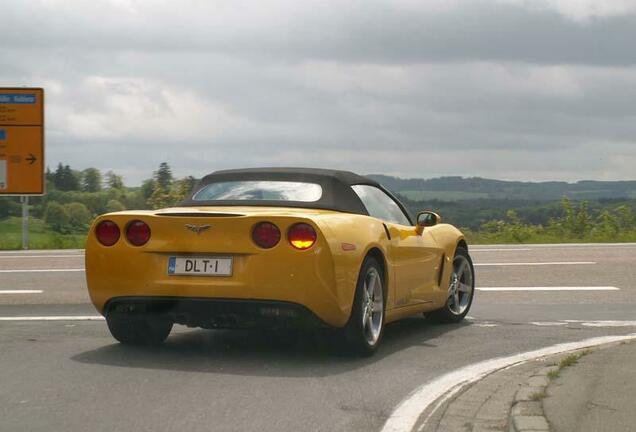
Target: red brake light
(138, 233)
(107, 232)
(266, 235)
(301, 236)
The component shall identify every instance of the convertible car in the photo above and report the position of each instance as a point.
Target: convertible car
(277, 248)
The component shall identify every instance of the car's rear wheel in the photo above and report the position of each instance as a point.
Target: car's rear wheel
(138, 328)
(365, 327)
(461, 289)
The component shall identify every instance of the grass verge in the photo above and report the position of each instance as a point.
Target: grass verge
(40, 236)
(537, 396)
(567, 361)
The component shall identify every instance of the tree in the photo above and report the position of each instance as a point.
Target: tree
(114, 206)
(184, 187)
(91, 180)
(114, 181)
(163, 176)
(162, 194)
(49, 175)
(583, 220)
(79, 215)
(70, 179)
(161, 198)
(606, 227)
(625, 217)
(65, 179)
(58, 175)
(57, 217)
(147, 187)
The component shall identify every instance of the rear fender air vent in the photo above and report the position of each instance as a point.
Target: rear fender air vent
(198, 214)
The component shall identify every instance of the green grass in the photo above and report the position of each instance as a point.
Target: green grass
(572, 359)
(567, 361)
(554, 374)
(537, 396)
(40, 236)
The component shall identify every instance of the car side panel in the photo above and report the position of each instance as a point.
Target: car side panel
(447, 237)
(351, 238)
(416, 259)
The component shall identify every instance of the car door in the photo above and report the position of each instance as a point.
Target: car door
(414, 259)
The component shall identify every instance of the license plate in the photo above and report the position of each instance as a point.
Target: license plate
(200, 266)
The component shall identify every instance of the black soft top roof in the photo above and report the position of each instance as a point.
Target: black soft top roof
(299, 174)
(336, 188)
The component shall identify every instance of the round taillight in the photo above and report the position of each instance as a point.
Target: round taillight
(107, 232)
(138, 233)
(301, 236)
(266, 235)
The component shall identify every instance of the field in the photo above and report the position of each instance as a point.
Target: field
(39, 236)
(426, 195)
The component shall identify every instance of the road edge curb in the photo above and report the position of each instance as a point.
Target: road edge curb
(430, 394)
(526, 411)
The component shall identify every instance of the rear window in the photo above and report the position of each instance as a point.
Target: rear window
(259, 190)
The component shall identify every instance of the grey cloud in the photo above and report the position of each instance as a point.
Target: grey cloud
(484, 88)
(378, 32)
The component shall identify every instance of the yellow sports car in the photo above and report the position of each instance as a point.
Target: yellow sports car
(277, 247)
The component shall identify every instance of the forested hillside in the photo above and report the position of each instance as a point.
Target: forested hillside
(460, 188)
(472, 202)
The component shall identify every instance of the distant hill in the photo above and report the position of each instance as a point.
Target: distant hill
(460, 188)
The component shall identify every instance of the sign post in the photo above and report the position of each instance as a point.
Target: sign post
(25, 221)
(22, 147)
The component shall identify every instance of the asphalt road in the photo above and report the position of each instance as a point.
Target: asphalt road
(70, 375)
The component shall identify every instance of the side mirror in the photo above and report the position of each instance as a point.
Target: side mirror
(427, 219)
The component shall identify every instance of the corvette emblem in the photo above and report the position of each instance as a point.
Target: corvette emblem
(198, 228)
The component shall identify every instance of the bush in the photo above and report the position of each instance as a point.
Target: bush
(57, 217)
(79, 215)
(9, 207)
(114, 206)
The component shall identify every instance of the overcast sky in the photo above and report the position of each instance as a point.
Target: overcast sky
(510, 89)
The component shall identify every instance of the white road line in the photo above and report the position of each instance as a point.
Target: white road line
(548, 323)
(54, 318)
(42, 251)
(500, 250)
(550, 288)
(555, 245)
(562, 323)
(406, 414)
(534, 263)
(21, 291)
(603, 323)
(40, 270)
(39, 256)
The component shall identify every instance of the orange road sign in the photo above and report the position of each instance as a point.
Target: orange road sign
(21, 141)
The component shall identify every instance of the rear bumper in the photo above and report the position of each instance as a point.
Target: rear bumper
(306, 279)
(219, 313)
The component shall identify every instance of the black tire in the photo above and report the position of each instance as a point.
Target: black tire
(356, 339)
(449, 313)
(138, 328)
